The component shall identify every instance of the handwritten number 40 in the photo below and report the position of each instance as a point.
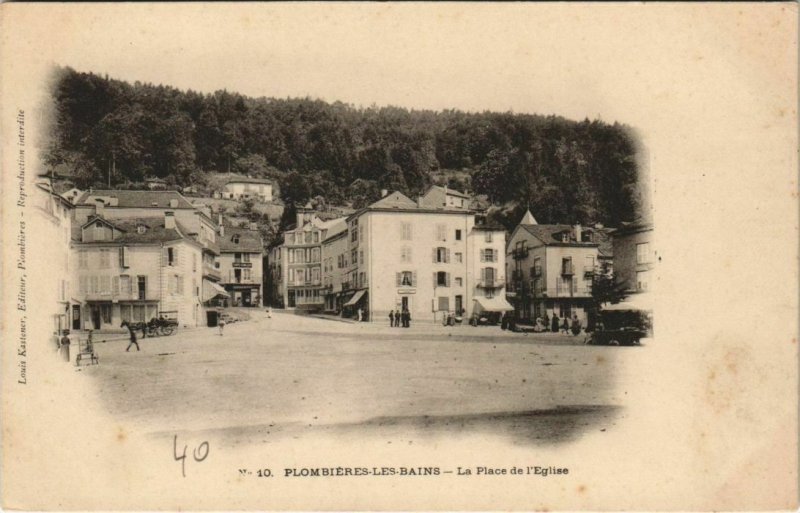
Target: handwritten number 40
(200, 453)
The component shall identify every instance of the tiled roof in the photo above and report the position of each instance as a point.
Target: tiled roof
(137, 199)
(549, 233)
(249, 241)
(155, 232)
(249, 180)
(394, 200)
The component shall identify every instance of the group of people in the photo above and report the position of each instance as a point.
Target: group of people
(400, 317)
(563, 325)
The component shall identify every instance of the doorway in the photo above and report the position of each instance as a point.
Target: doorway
(96, 316)
(76, 317)
(291, 298)
(246, 298)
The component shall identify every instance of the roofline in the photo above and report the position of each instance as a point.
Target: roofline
(64, 200)
(334, 237)
(416, 210)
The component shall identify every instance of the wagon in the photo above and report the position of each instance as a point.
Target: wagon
(618, 337)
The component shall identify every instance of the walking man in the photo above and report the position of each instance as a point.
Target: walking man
(126, 324)
(391, 318)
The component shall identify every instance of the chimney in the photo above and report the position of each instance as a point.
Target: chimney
(384, 192)
(219, 219)
(445, 195)
(419, 201)
(169, 220)
(99, 207)
(299, 219)
(577, 228)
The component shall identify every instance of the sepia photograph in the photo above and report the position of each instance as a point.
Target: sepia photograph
(398, 257)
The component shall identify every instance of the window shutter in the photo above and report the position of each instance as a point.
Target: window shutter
(483, 274)
(414, 279)
(483, 255)
(434, 280)
(434, 255)
(447, 280)
(398, 275)
(447, 255)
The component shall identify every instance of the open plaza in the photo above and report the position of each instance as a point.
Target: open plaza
(287, 375)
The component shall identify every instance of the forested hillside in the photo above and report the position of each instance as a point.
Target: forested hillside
(564, 170)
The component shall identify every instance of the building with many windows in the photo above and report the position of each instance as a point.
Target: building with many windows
(248, 188)
(135, 269)
(429, 259)
(634, 257)
(551, 268)
(241, 265)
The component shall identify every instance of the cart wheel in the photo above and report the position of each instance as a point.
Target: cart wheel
(167, 330)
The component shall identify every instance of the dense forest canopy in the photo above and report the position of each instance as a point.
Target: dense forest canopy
(565, 171)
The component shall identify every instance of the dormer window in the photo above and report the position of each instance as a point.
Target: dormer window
(99, 231)
(565, 237)
(586, 236)
(140, 229)
(235, 239)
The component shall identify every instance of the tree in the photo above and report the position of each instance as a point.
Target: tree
(604, 290)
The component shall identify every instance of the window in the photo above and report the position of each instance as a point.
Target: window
(123, 257)
(566, 265)
(643, 253)
(354, 257)
(537, 266)
(441, 279)
(361, 257)
(99, 231)
(125, 285)
(316, 237)
(315, 275)
(488, 255)
(405, 254)
(406, 279)
(459, 282)
(441, 255)
(115, 285)
(458, 234)
(142, 286)
(488, 236)
(83, 285)
(459, 258)
(235, 239)
(315, 254)
(441, 232)
(170, 256)
(140, 229)
(308, 237)
(105, 285)
(83, 259)
(245, 257)
(586, 236)
(246, 274)
(642, 280)
(565, 237)
(405, 231)
(444, 304)
(488, 276)
(104, 260)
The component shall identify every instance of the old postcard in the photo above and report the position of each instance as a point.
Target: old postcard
(399, 256)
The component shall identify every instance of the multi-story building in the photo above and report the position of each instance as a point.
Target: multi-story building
(335, 258)
(195, 221)
(241, 264)
(134, 269)
(634, 256)
(428, 258)
(551, 268)
(52, 223)
(296, 264)
(244, 188)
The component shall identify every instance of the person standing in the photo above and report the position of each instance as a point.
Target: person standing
(576, 325)
(391, 318)
(565, 325)
(221, 325)
(133, 341)
(64, 345)
(546, 322)
(554, 325)
(408, 319)
(358, 317)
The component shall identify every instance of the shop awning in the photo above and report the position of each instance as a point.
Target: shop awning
(641, 302)
(211, 290)
(356, 298)
(495, 304)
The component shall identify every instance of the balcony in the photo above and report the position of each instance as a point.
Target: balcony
(589, 270)
(567, 270)
(519, 253)
(492, 283)
(253, 280)
(210, 271)
(567, 291)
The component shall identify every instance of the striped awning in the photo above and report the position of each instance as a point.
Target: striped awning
(211, 290)
(356, 298)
